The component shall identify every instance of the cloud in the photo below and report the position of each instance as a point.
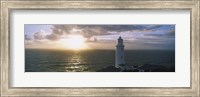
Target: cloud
(97, 30)
(171, 32)
(152, 35)
(86, 30)
(39, 35)
(27, 37)
(53, 37)
(109, 33)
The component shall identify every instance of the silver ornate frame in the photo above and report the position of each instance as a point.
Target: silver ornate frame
(8, 5)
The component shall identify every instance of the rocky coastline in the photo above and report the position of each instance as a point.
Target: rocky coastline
(142, 68)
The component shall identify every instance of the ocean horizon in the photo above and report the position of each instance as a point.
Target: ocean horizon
(48, 60)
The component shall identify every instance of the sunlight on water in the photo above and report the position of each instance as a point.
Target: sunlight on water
(76, 63)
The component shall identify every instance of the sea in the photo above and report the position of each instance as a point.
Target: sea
(40, 60)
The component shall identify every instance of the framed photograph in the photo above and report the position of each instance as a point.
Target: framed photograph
(100, 48)
(91, 48)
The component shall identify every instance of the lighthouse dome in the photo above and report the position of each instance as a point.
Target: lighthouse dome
(120, 38)
(120, 41)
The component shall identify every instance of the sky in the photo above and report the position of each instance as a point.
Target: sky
(78, 37)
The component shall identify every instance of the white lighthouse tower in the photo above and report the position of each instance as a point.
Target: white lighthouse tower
(119, 56)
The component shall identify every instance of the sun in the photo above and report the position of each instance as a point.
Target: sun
(74, 42)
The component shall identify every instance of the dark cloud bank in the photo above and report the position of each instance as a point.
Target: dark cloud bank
(96, 30)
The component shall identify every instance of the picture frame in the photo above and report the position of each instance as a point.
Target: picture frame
(7, 6)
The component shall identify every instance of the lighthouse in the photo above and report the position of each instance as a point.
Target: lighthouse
(119, 56)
